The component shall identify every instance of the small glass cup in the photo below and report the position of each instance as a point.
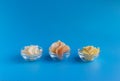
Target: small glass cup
(56, 57)
(85, 57)
(32, 57)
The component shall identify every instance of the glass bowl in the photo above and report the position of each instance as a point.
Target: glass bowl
(85, 57)
(33, 56)
(56, 57)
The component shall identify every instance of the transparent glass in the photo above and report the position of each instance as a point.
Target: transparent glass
(86, 58)
(56, 57)
(32, 57)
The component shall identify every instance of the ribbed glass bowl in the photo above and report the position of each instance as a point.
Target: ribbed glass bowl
(33, 56)
(56, 57)
(85, 57)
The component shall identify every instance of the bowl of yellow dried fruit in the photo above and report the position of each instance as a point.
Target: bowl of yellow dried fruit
(88, 53)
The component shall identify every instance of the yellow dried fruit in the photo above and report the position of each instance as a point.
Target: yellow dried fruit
(90, 52)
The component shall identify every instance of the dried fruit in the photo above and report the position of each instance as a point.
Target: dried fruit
(59, 48)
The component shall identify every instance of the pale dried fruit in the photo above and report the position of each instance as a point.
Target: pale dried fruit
(31, 50)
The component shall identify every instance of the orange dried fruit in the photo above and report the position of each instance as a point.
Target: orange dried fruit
(59, 48)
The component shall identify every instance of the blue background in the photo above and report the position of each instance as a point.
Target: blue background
(76, 22)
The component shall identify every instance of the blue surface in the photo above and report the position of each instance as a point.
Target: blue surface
(76, 22)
